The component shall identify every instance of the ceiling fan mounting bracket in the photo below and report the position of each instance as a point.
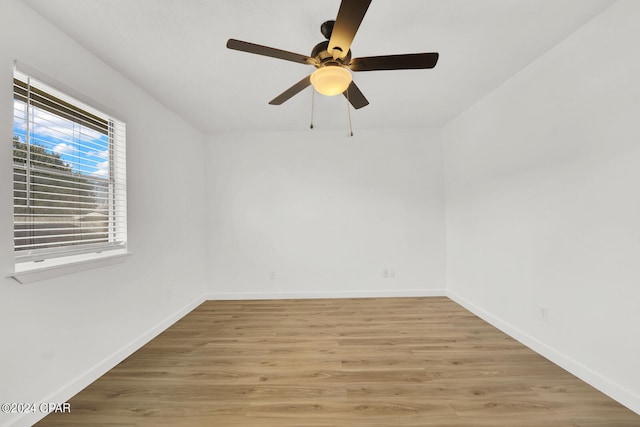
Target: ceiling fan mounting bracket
(327, 28)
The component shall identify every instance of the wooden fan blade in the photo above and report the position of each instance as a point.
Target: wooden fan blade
(395, 62)
(350, 16)
(269, 51)
(293, 90)
(355, 97)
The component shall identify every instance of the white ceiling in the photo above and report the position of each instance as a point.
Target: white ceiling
(175, 50)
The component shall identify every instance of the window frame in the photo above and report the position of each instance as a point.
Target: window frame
(69, 257)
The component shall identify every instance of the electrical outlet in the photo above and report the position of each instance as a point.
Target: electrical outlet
(385, 273)
(272, 276)
(544, 314)
(392, 273)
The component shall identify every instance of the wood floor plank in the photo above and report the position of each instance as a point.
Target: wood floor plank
(347, 362)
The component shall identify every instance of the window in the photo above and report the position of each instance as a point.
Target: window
(69, 183)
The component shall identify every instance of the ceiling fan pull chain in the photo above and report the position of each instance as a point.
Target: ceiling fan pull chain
(313, 97)
(349, 113)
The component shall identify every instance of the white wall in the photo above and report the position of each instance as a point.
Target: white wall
(317, 214)
(543, 205)
(58, 335)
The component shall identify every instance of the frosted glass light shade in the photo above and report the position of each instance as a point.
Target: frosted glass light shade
(331, 80)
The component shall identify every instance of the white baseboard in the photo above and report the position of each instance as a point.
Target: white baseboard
(330, 294)
(80, 382)
(596, 380)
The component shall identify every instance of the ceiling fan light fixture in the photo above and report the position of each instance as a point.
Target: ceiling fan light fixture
(331, 80)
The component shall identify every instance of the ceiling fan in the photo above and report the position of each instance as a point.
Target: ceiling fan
(332, 58)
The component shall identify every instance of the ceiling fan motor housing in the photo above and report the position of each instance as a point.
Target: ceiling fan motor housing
(324, 57)
(320, 51)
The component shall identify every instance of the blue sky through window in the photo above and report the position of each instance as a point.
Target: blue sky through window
(83, 149)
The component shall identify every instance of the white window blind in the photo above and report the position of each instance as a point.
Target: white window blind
(69, 178)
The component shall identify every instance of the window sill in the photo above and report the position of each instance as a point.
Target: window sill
(29, 272)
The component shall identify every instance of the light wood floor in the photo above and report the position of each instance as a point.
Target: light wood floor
(337, 363)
